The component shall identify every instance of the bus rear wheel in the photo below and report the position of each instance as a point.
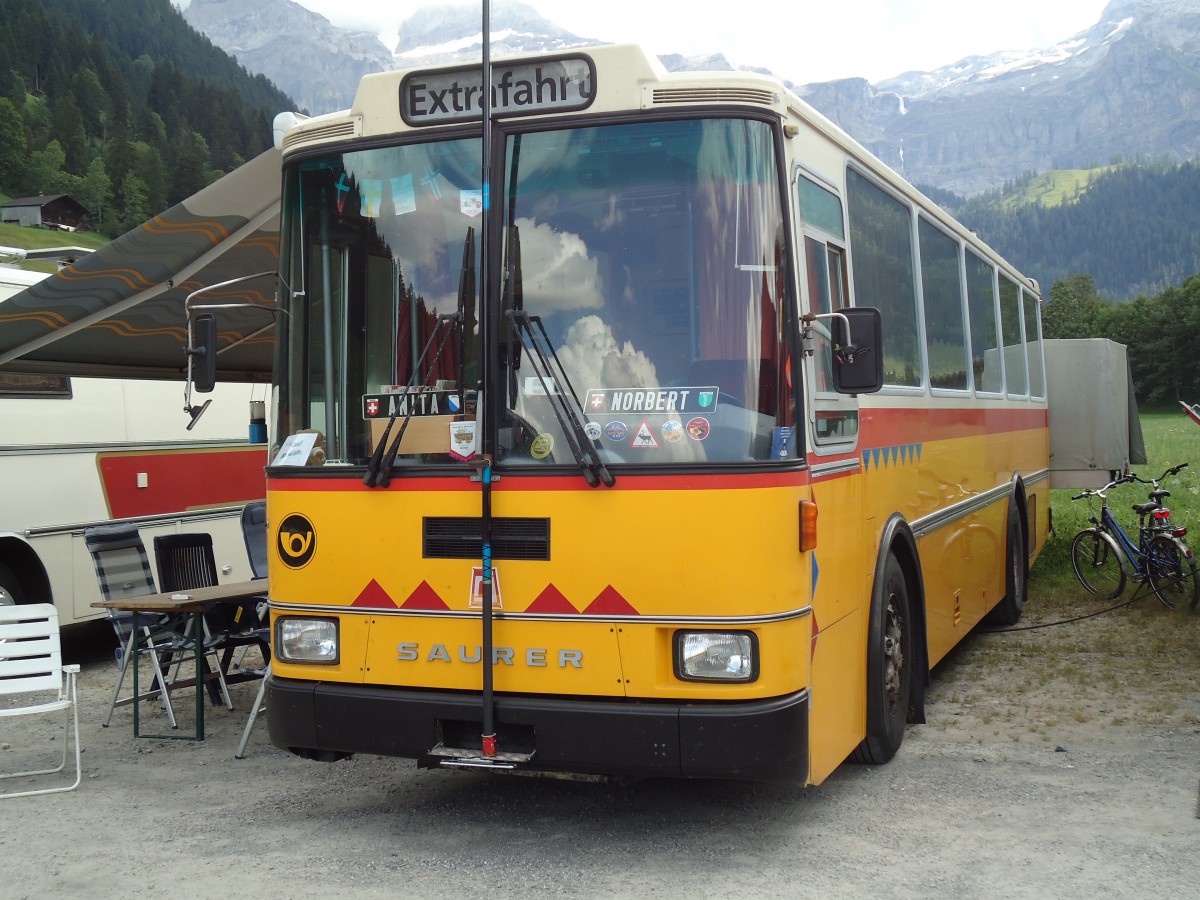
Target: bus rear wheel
(889, 668)
(11, 592)
(1016, 574)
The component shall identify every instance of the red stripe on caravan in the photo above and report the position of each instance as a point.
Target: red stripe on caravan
(178, 480)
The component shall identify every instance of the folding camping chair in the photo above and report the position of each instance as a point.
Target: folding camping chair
(31, 664)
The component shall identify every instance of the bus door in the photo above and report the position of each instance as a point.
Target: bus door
(832, 425)
(832, 418)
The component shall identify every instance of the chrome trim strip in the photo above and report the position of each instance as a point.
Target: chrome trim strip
(1036, 476)
(199, 515)
(706, 621)
(960, 510)
(821, 470)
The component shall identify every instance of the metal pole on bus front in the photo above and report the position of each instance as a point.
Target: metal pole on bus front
(491, 320)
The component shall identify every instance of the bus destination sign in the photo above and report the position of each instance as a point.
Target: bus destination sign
(444, 96)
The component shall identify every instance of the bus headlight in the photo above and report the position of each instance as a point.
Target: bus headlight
(730, 656)
(309, 641)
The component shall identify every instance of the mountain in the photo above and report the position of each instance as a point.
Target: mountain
(268, 37)
(1129, 86)
(436, 35)
(300, 51)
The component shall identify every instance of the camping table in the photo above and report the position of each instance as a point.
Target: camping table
(193, 603)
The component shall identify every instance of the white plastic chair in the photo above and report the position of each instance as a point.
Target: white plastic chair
(31, 663)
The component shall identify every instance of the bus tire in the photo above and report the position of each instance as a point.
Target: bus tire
(1016, 574)
(890, 659)
(11, 592)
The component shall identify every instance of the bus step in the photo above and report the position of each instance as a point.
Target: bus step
(460, 757)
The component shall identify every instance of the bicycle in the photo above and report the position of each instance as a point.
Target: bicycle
(1160, 558)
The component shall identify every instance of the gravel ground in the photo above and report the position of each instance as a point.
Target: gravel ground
(1000, 795)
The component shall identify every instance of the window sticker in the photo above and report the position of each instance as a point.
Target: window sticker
(698, 428)
(370, 197)
(643, 438)
(462, 440)
(542, 446)
(416, 403)
(616, 430)
(672, 431)
(678, 400)
(404, 198)
(470, 203)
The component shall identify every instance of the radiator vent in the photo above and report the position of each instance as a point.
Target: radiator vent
(757, 96)
(461, 537)
(345, 129)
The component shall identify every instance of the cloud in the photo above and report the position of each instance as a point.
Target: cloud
(558, 273)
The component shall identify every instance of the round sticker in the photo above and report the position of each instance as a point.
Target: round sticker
(672, 431)
(616, 431)
(592, 430)
(543, 446)
(698, 428)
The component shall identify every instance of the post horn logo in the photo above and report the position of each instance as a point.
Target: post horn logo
(297, 541)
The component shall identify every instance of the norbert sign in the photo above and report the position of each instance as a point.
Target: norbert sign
(443, 96)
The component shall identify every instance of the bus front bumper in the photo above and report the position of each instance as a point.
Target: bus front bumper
(758, 740)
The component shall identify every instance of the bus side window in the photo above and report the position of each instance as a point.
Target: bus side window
(826, 271)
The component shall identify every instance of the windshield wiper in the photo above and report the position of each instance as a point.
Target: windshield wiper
(379, 467)
(583, 448)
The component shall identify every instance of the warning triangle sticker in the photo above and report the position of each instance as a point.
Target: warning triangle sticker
(644, 438)
(424, 597)
(551, 600)
(373, 595)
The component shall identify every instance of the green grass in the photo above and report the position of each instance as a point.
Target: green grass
(1171, 438)
(1079, 661)
(1054, 188)
(39, 238)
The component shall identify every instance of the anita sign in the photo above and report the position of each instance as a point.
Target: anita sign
(443, 96)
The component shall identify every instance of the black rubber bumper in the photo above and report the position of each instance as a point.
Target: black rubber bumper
(757, 740)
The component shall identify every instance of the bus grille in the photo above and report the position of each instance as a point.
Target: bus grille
(461, 537)
(756, 96)
(347, 129)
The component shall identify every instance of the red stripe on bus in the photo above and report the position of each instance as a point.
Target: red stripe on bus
(883, 427)
(677, 481)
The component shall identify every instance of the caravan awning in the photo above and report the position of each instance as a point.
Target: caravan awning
(119, 312)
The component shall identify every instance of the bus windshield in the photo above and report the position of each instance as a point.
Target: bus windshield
(641, 281)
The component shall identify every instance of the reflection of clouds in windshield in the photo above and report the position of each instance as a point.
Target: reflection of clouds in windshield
(593, 359)
(556, 271)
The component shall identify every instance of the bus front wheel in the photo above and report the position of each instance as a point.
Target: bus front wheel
(889, 667)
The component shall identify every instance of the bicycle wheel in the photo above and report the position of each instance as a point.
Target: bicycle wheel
(1171, 569)
(1097, 563)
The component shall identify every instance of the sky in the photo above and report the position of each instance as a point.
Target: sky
(874, 39)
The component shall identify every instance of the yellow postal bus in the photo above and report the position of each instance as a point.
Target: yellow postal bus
(684, 447)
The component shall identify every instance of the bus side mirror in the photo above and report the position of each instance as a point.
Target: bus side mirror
(857, 350)
(202, 354)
